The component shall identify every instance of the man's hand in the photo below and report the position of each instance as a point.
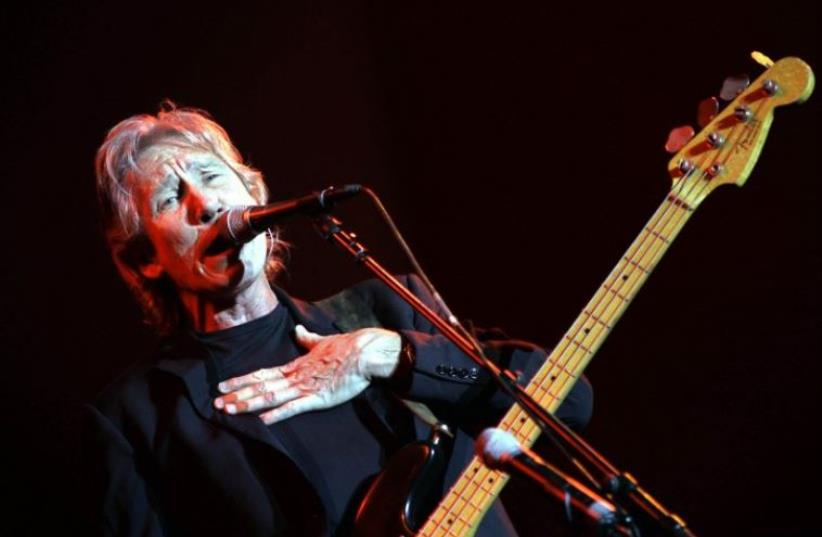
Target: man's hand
(336, 369)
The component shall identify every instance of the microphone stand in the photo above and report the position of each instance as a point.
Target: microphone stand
(619, 484)
(499, 450)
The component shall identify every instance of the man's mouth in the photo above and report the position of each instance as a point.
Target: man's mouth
(218, 254)
(217, 243)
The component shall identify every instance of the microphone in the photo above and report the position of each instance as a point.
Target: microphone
(239, 225)
(499, 450)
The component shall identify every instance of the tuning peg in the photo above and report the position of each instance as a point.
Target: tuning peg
(678, 138)
(733, 86)
(708, 109)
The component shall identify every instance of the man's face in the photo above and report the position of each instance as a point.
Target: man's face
(179, 196)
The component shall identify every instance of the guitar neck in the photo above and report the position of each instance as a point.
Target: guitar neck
(724, 152)
(462, 509)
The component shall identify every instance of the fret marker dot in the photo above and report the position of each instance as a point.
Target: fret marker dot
(587, 330)
(490, 479)
(522, 420)
(450, 521)
(624, 277)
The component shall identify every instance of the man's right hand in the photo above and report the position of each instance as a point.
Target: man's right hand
(335, 369)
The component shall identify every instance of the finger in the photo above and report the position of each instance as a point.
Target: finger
(297, 406)
(267, 400)
(252, 390)
(249, 392)
(233, 384)
(305, 338)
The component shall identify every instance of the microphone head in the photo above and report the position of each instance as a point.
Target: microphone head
(495, 447)
(326, 198)
(232, 228)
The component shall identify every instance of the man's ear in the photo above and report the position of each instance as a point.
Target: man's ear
(151, 270)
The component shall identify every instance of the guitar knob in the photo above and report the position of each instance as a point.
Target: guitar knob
(678, 137)
(771, 87)
(715, 169)
(733, 86)
(743, 113)
(708, 109)
(716, 139)
(686, 166)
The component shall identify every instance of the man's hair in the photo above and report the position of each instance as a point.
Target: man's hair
(115, 165)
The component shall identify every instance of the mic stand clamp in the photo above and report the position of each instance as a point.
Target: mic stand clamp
(620, 485)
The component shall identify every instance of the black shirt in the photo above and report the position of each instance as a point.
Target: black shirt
(330, 445)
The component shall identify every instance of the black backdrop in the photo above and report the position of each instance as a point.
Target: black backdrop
(520, 149)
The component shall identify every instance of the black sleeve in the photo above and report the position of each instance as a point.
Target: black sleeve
(117, 494)
(445, 378)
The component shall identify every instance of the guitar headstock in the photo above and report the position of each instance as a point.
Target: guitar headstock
(727, 148)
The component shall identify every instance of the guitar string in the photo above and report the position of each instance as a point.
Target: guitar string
(580, 348)
(626, 262)
(660, 252)
(484, 475)
(616, 274)
(482, 492)
(652, 241)
(727, 148)
(472, 504)
(723, 159)
(614, 277)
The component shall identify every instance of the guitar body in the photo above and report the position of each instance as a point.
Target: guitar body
(400, 500)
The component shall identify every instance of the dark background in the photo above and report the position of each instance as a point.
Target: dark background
(519, 147)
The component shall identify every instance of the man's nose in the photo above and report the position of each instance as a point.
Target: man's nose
(205, 208)
(210, 212)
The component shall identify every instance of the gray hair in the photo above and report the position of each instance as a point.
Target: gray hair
(117, 161)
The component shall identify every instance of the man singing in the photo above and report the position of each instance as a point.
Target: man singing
(262, 414)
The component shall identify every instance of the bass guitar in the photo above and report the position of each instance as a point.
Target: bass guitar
(724, 152)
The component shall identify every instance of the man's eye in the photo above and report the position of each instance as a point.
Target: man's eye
(210, 177)
(168, 202)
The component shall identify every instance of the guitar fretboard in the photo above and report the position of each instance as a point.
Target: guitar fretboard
(462, 509)
(723, 153)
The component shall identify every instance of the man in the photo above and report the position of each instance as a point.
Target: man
(264, 415)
